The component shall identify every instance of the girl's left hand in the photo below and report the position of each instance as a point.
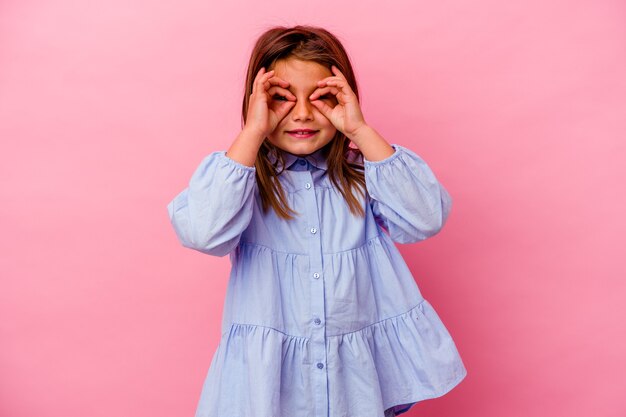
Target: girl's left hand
(346, 116)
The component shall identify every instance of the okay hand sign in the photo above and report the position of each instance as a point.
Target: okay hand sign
(346, 116)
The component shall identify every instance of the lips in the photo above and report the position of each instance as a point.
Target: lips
(302, 134)
(302, 131)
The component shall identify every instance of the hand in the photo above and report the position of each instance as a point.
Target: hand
(346, 116)
(263, 117)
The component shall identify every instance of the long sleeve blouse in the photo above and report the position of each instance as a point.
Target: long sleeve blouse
(322, 316)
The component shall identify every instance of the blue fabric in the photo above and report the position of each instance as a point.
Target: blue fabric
(322, 316)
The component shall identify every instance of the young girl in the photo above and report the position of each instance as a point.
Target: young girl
(322, 316)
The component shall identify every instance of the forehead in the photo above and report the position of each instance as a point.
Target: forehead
(299, 72)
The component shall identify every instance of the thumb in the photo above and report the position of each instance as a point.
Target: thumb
(284, 108)
(324, 108)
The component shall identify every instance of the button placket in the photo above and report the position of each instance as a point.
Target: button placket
(317, 329)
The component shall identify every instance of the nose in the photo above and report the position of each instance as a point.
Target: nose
(303, 110)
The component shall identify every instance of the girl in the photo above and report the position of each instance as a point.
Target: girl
(322, 316)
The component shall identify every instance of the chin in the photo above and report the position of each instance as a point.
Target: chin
(302, 148)
(299, 148)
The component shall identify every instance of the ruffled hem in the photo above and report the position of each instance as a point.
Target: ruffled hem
(259, 371)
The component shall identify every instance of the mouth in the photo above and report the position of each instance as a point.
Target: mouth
(302, 133)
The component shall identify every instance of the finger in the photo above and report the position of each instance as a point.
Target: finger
(346, 92)
(282, 110)
(260, 78)
(324, 108)
(275, 81)
(277, 90)
(338, 75)
(336, 71)
(322, 91)
(266, 77)
(339, 83)
(325, 80)
(264, 73)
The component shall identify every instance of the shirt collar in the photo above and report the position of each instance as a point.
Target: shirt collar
(316, 159)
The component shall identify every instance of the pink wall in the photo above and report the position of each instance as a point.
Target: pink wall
(107, 107)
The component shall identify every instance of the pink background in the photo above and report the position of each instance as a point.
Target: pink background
(107, 107)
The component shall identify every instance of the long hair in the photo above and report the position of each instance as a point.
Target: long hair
(318, 45)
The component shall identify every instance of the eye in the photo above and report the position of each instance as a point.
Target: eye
(325, 97)
(277, 97)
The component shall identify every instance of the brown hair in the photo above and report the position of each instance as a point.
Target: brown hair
(313, 44)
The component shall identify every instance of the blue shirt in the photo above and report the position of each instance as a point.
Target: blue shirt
(322, 316)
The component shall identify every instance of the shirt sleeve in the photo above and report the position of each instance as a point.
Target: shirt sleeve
(405, 196)
(213, 211)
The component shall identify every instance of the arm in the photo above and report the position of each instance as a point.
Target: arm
(213, 211)
(405, 196)
(211, 214)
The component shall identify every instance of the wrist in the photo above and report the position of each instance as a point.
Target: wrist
(371, 144)
(360, 132)
(253, 134)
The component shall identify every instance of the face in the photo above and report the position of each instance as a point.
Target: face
(302, 77)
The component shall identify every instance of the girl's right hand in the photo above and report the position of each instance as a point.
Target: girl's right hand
(264, 112)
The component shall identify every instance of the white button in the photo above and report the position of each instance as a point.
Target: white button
(313, 230)
(307, 185)
(316, 275)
